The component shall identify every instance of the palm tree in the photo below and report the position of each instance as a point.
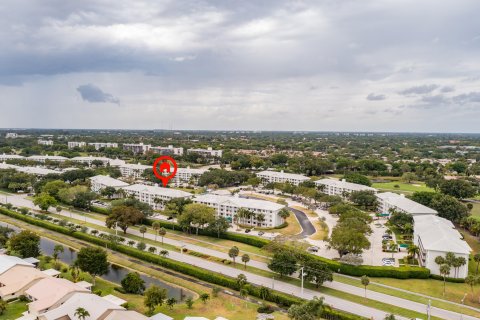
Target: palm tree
(245, 259)
(142, 230)
(233, 253)
(365, 282)
(284, 213)
(162, 232)
(444, 271)
(81, 313)
(171, 302)
(260, 219)
(156, 227)
(413, 251)
(476, 258)
(390, 317)
(472, 280)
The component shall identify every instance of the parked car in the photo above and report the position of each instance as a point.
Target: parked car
(261, 233)
(247, 230)
(313, 249)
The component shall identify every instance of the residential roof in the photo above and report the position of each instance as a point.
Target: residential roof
(160, 316)
(17, 278)
(31, 260)
(7, 262)
(90, 158)
(191, 170)
(108, 181)
(439, 234)
(405, 204)
(344, 185)
(95, 305)
(115, 300)
(49, 291)
(238, 202)
(51, 272)
(155, 190)
(284, 175)
(135, 166)
(47, 157)
(126, 315)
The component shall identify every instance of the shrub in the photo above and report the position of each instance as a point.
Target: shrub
(265, 308)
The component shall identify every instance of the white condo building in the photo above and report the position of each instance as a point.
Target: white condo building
(228, 206)
(40, 158)
(435, 236)
(388, 201)
(99, 145)
(136, 147)
(133, 170)
(97, 183)
(148, 194)
(281, 177)
(170, 150)
(186, 176)
(45, 142)
(11, 135)
(341, 188)
(38, 171)
(209, 152)
(5, 157)
(88, 160)
(74, 144)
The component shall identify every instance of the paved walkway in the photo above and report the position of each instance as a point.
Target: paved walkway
(277, 285)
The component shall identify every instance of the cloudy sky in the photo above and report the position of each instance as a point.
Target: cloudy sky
(384, 65)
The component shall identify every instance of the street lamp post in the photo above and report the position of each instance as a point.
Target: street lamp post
(428, 308)
(302, 274)
(463, 303)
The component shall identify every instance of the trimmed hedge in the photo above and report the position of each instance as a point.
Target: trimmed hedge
(279, 298)
(99, 210)
(455, 280)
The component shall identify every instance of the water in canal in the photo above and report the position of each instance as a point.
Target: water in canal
(115, 273)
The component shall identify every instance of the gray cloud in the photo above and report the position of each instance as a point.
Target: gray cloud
(94, 94)
(423, 89)
(471, 97)
(447, 89)
(376, 97)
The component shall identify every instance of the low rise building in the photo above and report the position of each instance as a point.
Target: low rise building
(155, 196)
(186, 176)
(281, 177)
(16, 280)
(45, 142)
(436, 236)
(208, 153)
(137, 148)
(49, 293)
(38, 171)
(41, 158)
(88, 160)
(133, 170)
(76, 144)
(388, 201)
(340, 188)
(100, 182)
(11, 135)
(8, 262)
(5, 157)
(170, 150)
(228, 206)
(100, 145)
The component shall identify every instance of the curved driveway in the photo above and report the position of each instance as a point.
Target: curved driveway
(307, 227)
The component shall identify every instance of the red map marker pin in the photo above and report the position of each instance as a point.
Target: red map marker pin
(162, 166)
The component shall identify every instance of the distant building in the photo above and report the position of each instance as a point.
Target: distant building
(137, 148)
(208, 153)
(38, 171)
(341, 188)
(75, 144)
(45, 142)
(40, 158)
(435, 236)
(100, 145)
(170, 150)
(281, 177)
(155, 196)
(187, 176)
(388, 201)
(5, 157)
(228, 206)
(133, 170)
(100, 182)
(88, 160)
(11, 135)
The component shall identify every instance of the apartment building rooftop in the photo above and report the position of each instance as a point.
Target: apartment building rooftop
(238, 202)
(284, 175)
(108, 181)
(156, 190)
(439, 234)
(7, 262)
(402, 203)
(343, 184)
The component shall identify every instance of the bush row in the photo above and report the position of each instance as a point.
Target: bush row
(279, 298)
(456, 280)
(374, 271)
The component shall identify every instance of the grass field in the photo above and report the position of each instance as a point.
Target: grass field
(476, 209)
(402, 186)
(14, 310)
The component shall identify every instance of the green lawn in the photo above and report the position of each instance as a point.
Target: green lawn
(14, 310)
(476, 209)
(402, 186)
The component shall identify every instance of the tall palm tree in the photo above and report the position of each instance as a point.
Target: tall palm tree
(413, 250)
(81, 313)
(156, 226)
(444, 271)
